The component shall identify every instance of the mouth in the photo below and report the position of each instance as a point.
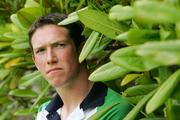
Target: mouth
(53, 70)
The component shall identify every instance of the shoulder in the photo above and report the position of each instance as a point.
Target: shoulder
(113, 97)
(118, 107)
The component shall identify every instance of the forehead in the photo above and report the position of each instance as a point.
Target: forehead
(49, 33)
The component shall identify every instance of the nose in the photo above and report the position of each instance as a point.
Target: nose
(51, 56)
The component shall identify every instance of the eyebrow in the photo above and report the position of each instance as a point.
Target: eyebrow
(51, 43)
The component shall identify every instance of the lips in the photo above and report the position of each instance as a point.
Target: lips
(53, 69)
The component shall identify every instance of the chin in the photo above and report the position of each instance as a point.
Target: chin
(57, 83)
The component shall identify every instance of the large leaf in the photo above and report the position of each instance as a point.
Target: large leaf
(134, 99)
(120, 13)
(23, 93)
(163, 92)
(4, 45)
(72, 17)
(162, 53)
(156, 12)
(12, 62)
(100, 45)
(153, 118)
(21, 45)
(140, 36)
(6, 28)
(31, 3)
(17, 22)
(139, 90)
(3, 60)
(4, 100)
(164, 73)
(27, 15)
(23, 112)
(128, 78)
(45, 90)
(3, 73)
(12, 55)
(173, 107)
(21, 36)
(107, 72)
(127, 59)
(133, 113)
(88, 46)
(99, 21)
(30, 78)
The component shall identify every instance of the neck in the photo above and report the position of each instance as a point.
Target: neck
(75, 92)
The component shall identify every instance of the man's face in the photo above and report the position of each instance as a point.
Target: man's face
(55, 54)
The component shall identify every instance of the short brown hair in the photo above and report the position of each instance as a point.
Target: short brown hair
(75, 29)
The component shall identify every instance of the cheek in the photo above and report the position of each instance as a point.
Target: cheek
(40, 63)
(69, 57)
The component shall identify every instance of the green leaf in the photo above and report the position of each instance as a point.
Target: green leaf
(122, 36)
(27, 15)
(3, 73)
(24, 112)
(72, 17)
(164, 34)
(31, 3)
(145, 78)
(88, 46)
(127, 59)
(120, 13)
(140, 90)
(133, 113)
(153, 118)
(4, 45)
(16, 21)
(4, 100)
(41, 96)
(164, 73)
(100, 45)
(29, 79)
(12, 55)
(4, 115)
(156, 12)
(22, 45)
(128, 78)
(23, 93)
(6, 28)
(162, 53)
(172, 109)
(99, 21)
(134, 99)
(23, 64)
(178, 29)
(176, 94)
(107, 72)
(163, 92)
(3, 60)
(19, 36)
(140, 36)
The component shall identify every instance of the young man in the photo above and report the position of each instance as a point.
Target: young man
(55, 54)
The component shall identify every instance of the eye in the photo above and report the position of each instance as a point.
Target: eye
(59, 45)
(40, 50)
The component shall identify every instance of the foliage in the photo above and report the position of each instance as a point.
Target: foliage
(22, 87)
(152, 51)
(134, 43)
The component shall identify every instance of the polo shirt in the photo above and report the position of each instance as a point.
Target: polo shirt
(101, 102)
